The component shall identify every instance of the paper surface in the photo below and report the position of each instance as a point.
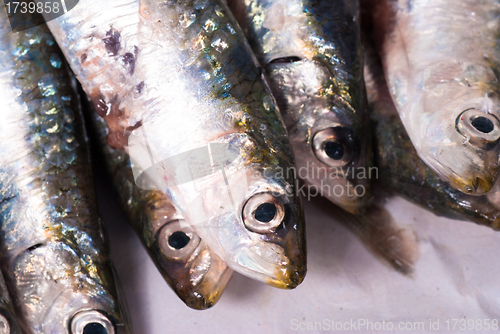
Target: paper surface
(456, 277)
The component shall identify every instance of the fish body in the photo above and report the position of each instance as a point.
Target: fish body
(312, 54)
(401, 171)
(441, 62)
(54, 250)
(196, 274)
(183, 94)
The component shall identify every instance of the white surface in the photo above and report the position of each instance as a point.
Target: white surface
(456, 277)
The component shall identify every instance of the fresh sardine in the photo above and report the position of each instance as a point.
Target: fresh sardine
(196, 274)
(183, 94)
(312, 53)
(441, 62)
(53, 246)
(402, 172)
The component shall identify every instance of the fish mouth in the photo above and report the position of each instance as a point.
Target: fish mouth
(205, 294)
(196, 274)
(288, 277)
(472, 186)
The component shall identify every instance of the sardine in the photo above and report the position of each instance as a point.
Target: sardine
(402, 172)
(8, 320)
(441, 62)
(313, 56)
(195, 273)
(183, 94)
(53, 246)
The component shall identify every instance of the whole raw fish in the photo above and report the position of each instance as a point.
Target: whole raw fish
(183, 94)
(53, 247)
(196, 274)
(441, 62)
(8, 320)
(402, 172)
(312, 53)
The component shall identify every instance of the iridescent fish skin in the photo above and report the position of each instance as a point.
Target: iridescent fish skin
(171, 77)
(54, 249)
(441, 61)
(312, 53)
(402, 171)
(8, 320)
(196, 274)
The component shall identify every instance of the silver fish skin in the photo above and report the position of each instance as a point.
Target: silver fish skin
(53, 247)
(195, 273)
(441, 61)
(403, 173)
(313, 56)
(171, 77)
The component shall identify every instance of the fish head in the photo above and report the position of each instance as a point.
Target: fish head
(59, 290)
(255, 224)
(327, 133)
(455, 126)
(195, 273)
(246, 210)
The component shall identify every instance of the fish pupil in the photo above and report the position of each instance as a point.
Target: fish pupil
(483, 124)
(178, 240)
(94, 328)
(334, 150)
(265, 212)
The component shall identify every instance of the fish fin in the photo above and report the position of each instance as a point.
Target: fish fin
(377, 229)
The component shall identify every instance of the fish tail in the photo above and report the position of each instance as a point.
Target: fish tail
(377, 229)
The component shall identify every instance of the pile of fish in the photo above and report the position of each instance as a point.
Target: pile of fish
(215, 121)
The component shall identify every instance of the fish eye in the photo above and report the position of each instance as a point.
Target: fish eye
(4, 325)
(177, 240)
(334, 150)
(91, 322)
(478, 126)
(94, 328)
(334, 146)
(263, 212)
(483, 124)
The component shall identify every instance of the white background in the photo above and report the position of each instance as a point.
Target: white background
(456, 277)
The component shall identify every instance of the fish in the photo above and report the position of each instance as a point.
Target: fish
(401, 170)
(441, 63)
(195, 273)
(53, 246)
(184, 96)
(313, 57)
(8, 319)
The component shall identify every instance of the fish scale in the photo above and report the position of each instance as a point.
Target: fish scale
(53, 245)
